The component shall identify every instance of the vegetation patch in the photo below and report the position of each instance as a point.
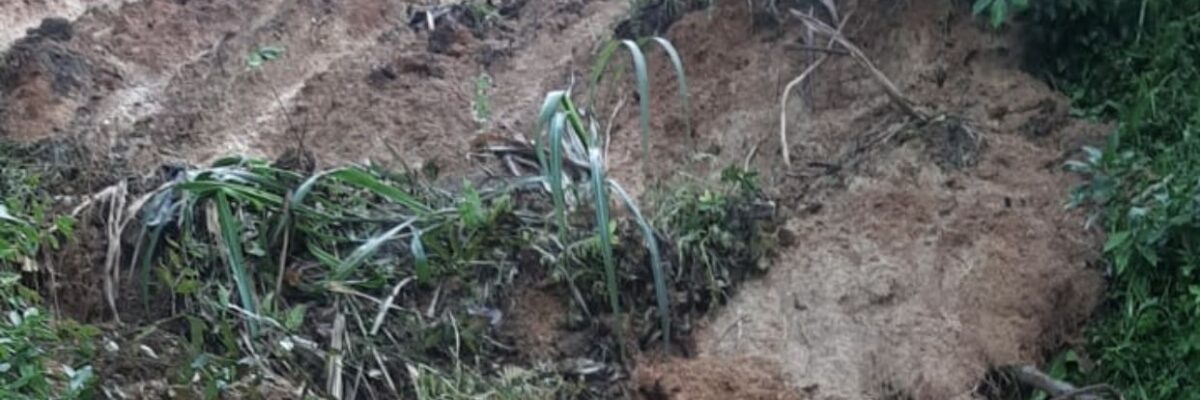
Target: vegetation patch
(1136, 62)
(248, 278)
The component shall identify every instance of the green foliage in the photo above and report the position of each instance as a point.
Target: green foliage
(723, 233)
(26, 225)
(998, 10)
(40, 358)
(481, 105)
(350, 237)
(641, 81)
(562, 135)
(261, 55)
(1136, 62)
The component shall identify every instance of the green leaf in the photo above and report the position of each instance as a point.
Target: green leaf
(643, 90)
(604, 236)
(232, 246)
(420, 259)
(470, 207)
(363, 179)
(681, 77)
(999, 12)
(660, 282)
(367, 249)
(295, 317)
(981, 5)
(554, 173)
(549, 107)
(1116, 240)
(599, 65)
(152, 239)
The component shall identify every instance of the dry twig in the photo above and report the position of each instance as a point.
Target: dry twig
(787, 158)
(889, 87)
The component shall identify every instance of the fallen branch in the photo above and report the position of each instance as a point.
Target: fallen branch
(815, 49)
(783, 141)
(1060, 390)
(890, 88)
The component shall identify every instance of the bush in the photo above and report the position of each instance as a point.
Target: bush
(1136, 62)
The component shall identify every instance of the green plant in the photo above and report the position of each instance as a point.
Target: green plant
(562, 129)
(641, 82)
(39, 357)
(261, 55)
(723, 233)
(1135, 62)
(26, 225)
(998, 10)
(481, 106)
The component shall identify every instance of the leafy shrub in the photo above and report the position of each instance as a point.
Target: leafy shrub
(1136, 61)
(36, 352)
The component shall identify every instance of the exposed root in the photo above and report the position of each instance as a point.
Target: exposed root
(787, 158)
(1032, 376)
(890, 88)
(967, 140)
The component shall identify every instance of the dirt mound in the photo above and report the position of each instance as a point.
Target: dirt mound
(356, 81)
(908, 276)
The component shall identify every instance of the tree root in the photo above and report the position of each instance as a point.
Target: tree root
(1060, 390)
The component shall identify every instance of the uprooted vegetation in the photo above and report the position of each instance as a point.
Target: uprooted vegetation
(252, 278)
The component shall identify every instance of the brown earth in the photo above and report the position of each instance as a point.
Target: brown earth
(906, 275)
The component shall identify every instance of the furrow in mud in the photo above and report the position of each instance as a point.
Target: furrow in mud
(355, 81)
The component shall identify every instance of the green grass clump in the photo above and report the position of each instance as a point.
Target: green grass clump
(723, 233)
(1136, 62)
(250, 252)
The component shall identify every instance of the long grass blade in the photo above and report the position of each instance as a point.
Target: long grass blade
(358, 177)
(231, 237)
(660, 281)
(599, 65)
(367, 249)
(554, 173)
(681, 77)
(643, 90)
(605, 236)
(149, 240)
(545, 114)
(420, 259)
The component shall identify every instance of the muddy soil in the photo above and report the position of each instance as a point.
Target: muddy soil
(905, 276)
(909, 277)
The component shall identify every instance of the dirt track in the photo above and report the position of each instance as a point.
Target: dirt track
(904, 277)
